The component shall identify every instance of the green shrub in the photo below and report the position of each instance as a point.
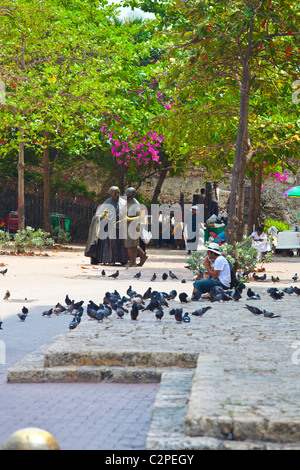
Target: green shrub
(31, 238)
(280, 225)
(62, 237)
(4, 238)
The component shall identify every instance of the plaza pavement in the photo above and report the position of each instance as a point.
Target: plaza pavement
(227, 349)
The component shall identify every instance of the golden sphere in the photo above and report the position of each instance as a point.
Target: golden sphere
(31, 439)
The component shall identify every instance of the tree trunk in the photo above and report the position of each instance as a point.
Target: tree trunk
(258, 182)
(46, 181)
(252, 201)
(255, 198)
(162, 176)
(236, 203)
(21, 190)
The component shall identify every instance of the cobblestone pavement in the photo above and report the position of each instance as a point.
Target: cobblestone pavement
(108, 415)
(80, 416)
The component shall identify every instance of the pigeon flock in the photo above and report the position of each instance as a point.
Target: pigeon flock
(158, 301)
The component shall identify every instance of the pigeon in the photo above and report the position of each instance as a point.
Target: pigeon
(295, 277)
(199, 312)
(114, 275)
(184, 298)
(70, 307)
(92, 310)
(47, 313)
(178, 315)
(254, 297)
(159, 314)
(134, 312)
(275, 279)
(259, 278)
(74, 323)
(7, 295)
(183, 281)
(130, 292)
(25, 310)
(164, 276)
(147, 294)
(152, 305)
(58, 308)
(172, 275)
(153, 277)
(270, 314)
(297, 290)
(78, 304)
(288, 290)
(68, 301)
(172, 295)
(99, 315)
(138, 275)
(237, 294)
(250, 292)
(186, 318)
(1, 323)
(254, 310)
(120, 312)
(4, 271)
(22, 316)
(246, 273)
(78, 312)
(276, 295)
(103, 272)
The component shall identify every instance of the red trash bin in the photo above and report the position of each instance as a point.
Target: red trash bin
(12, 221)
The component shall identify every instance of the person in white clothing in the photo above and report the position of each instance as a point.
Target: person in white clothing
(261, 242)
(219, 273)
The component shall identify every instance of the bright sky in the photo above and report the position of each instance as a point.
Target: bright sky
(125, 12)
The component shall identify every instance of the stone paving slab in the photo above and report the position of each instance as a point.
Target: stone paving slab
(245, 381)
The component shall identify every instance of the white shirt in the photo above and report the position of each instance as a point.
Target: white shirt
(221, 264)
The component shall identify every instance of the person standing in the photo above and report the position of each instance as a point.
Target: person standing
(192, 226)
(104, 244)
(132, 240)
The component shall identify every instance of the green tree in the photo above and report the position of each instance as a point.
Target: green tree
(250, 48)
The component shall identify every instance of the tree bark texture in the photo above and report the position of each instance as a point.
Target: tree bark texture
(46, 182)
(21, 189)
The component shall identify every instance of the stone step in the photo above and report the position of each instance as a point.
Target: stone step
(239, 404)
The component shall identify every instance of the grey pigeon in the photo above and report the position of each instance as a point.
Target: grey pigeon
(134, 311)
(159, 314)
(270, 314)
(288, 290)
(295, 277)
(138, 275)
(114, 275)
(47, 313)
(153, 277)
(254, 310)
(200, 311)
(172, 275)
(186, 318)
